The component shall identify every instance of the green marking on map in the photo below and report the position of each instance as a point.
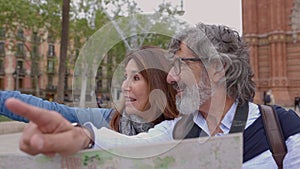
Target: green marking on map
(163, 163)
(43, 159)
(97, 157)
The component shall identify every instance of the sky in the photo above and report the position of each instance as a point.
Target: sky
(225, 12)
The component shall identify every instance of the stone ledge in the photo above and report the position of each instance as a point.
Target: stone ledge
(11, 127)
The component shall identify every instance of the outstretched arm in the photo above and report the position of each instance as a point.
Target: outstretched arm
(67, 112)
(48, 132)
(99, 117)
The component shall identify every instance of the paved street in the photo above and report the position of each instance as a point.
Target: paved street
(9, 143)
(9, 136)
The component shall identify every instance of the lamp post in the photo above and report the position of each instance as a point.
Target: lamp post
(17, 77)
(181, 11)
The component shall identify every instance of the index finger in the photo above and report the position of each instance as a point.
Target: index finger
(35, 114)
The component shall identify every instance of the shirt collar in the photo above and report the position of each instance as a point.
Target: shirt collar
(228, 118)
(225, 123)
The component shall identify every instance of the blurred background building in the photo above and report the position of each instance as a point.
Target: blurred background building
(30, 65)
(272, 29)
(30, 44)
(29, 53)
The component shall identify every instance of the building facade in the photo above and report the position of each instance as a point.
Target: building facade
(29, 63)
(272, 30)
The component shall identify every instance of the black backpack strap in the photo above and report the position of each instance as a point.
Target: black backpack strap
(274, 134)
(186, 128)
(240, 118)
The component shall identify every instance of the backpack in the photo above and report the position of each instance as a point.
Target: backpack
(274, 134)
(267, 98)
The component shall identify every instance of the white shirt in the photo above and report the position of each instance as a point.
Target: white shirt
(106, 138)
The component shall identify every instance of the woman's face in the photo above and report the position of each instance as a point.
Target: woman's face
(135, 89)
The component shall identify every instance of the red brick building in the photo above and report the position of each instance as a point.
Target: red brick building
(29, 64)
(272, 29)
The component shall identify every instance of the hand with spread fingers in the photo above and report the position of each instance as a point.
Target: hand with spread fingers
(48, 132)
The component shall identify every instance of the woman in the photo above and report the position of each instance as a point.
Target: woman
(148, 99)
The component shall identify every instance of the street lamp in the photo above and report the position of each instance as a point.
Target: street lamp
(16, 74)
(181, 11)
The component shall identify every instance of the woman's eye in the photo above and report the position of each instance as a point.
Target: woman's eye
(136, 77)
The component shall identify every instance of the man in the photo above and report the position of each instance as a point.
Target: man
(297, 103)
(269, 98)
(212, 75)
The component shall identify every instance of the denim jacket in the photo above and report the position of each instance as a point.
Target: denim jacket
(100, 117)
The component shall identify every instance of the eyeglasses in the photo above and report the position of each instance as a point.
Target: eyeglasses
(178, 62)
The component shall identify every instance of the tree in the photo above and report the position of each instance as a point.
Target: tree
(140, 30)
(85, 17)
(18, 15)
(63, 51)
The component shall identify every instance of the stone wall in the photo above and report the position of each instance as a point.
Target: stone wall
(11, 127)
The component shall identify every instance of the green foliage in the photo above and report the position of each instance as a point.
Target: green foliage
(3, 118)
(15, 14)
(87, 16)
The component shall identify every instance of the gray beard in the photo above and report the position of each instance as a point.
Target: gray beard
(193, 97)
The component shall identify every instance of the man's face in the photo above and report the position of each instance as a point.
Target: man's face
(191, 81)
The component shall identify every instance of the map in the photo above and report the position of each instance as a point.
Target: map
(206, 152)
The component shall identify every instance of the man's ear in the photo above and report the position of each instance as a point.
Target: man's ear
(219, 74)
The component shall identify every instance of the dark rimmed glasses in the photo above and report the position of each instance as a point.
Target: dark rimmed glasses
(179, 61)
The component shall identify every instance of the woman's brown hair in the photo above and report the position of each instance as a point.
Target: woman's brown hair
(154, 67)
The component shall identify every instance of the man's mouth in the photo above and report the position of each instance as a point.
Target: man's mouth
(178, 88)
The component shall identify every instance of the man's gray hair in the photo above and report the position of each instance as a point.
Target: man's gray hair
(212, 43)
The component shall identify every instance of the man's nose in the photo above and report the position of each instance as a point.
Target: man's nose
(172, 76)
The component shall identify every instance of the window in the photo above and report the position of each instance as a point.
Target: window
(1, 66)
(1, 63)
(20, 34)
(51, 50)
(50, 38)
(50, 66)
(35, 48)
(2, 83)
(18, 75)
(20, 49)
(35, 67)
(2, 49)
(20, 83)
(35, 38)
(19, 65)
(2, 33)
(50, 81)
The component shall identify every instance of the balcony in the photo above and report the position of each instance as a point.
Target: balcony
(51, 88)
